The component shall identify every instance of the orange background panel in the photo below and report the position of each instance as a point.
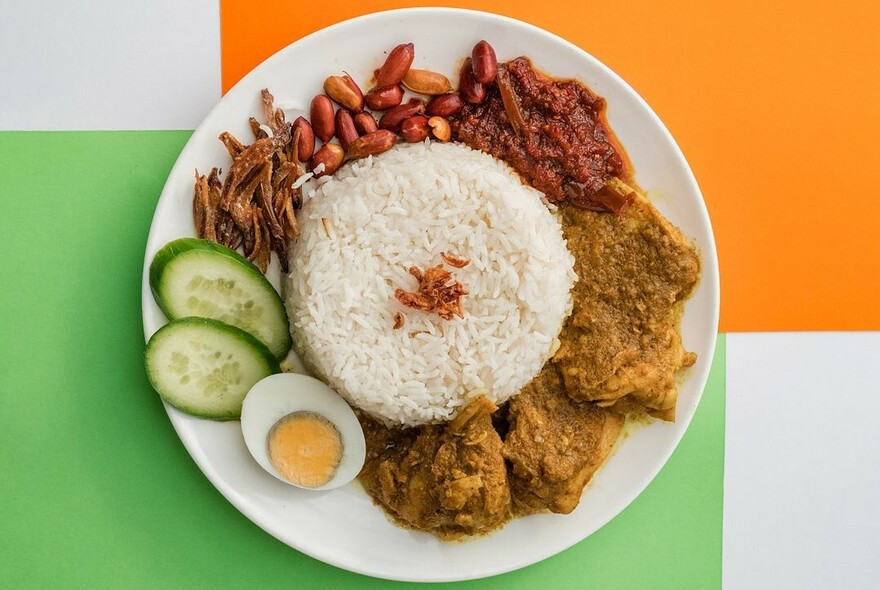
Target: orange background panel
(775, 104)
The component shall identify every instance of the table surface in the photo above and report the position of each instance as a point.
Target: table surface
(774, 104)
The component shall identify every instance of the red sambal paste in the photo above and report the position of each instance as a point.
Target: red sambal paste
(553, 133)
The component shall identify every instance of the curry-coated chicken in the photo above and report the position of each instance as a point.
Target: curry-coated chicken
(621, 345)
(447, 479)
(555, 444)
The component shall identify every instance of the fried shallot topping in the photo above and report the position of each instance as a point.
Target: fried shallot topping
(438, 292)
(399, 320)
(454, 261)
(254, 205)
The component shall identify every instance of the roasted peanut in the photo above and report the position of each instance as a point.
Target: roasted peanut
(371, 144)
(440, 128)
(426, 82)
(306, 139)
(415, 129)
(345, 92)
(444, 105)
(484, 63)
(392, 118)
(471, 91)
(396, 65)
(345, 129)
(331, 156)
(356, 89)
(365, 123)
(383, 98)
(321, 113)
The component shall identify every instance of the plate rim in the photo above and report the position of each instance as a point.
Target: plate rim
(710, 275)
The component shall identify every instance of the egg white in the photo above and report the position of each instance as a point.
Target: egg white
(277, 396)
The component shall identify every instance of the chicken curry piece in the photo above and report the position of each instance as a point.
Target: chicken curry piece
(621, 345)
(449, 479)
(554, 444)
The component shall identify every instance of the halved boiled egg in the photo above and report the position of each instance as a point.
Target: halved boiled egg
(302, 432)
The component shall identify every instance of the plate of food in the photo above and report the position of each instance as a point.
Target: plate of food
(430, 295)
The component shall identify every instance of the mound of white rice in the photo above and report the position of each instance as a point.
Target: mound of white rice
(362, 230)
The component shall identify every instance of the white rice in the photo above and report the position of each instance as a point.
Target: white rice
(363, 228)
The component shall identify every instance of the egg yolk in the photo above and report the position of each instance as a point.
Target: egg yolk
(305, 449)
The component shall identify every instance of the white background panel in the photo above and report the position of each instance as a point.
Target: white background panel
(802, 461)
(106, 64)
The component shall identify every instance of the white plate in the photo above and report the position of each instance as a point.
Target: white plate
(343, 527)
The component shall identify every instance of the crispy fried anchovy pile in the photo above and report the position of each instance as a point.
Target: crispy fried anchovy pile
(253, 207)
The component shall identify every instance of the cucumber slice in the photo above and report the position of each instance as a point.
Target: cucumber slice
(191, 277)
(205, 367)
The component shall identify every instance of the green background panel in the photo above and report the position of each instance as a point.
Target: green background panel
(97, 491)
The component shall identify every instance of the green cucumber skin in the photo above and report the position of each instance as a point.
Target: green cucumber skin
(181, 245)
(260, 350)
(167, 253)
